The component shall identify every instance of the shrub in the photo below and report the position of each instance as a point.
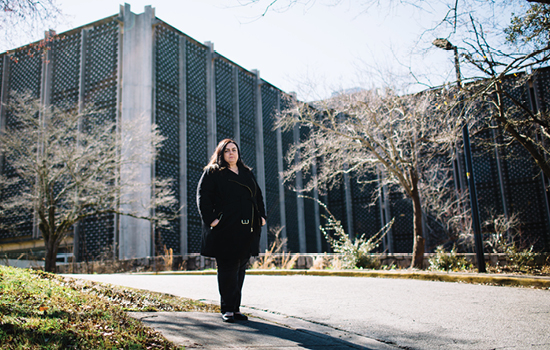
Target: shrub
(448, 261)
(522, 260)
(355, 254)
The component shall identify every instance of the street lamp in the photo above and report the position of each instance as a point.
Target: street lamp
(478, 240)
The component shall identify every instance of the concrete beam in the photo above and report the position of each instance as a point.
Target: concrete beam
(137, 109)
(236, 118)
(211, 132)
(280, 170)
(300, 200)
(183, 145)
(260, 165)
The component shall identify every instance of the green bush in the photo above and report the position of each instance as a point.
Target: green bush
(522, 260)
(448, 261)
(357, 253)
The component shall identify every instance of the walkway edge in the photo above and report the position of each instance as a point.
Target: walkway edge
(474, 278)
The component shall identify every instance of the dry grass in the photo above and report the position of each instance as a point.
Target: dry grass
(168, 258)
(45, 311)
(321, 262)
(276, 256)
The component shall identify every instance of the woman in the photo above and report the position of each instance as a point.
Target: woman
(232, 212)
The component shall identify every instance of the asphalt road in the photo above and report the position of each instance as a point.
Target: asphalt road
(411, 314)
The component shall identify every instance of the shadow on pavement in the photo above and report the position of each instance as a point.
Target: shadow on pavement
(207, 331)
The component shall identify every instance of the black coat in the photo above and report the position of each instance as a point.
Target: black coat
(236, 200)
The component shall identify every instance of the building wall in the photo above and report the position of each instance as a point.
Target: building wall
(130, 64)
(196, 97)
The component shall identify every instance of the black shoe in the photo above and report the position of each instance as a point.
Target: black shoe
(240, 317)
(228, 318)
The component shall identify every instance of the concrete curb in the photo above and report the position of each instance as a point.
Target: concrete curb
(474, 278)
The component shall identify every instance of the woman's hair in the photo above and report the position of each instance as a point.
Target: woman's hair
(217, 162)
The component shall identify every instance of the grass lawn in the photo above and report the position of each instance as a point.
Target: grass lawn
(46, 311)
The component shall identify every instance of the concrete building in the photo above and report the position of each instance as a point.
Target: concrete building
(135, 64)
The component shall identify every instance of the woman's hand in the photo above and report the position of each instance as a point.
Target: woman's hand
(214, 223)
(263, 221)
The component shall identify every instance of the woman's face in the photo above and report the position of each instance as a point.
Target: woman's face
(231, 154)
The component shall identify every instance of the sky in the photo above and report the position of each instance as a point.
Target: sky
(314, 50)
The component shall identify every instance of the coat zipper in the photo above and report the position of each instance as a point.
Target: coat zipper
(252, 195)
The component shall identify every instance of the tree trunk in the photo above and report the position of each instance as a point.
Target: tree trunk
(50, 264)
(418, 244)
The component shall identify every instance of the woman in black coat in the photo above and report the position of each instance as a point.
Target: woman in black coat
(232, 211)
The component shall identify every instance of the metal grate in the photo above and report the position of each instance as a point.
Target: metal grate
(196, 140)
(100, 88)
(224, 99)
(521, 184)
(366, 217)
(2, 68)
(542, 95)
(25, 72)
(66, 70)
(167, 119)
(291, 208)
(247, 117)
(402, 211)
(542, 90)
(486, 176)
(271, 195)
(309, 207)
(24, 77)
(337, 203)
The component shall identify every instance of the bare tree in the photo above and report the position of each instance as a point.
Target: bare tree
(408, 137)
(447, 13)
(63, 166)
(504, 79)
(24, 20)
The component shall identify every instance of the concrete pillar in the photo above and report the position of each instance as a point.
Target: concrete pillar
(82, 72)
(45, 100)
(280, 169)
(137, 109)
(535, 99)
(499, 171)
(46, 83)
(460, 168)
(210, 100)
(299, 199)
(116, 240)
(316, 209)
(183, 145)
(349, 205)
(260, 165)
(81, 96)
(385, 212)
(236, 119)
(4, 94)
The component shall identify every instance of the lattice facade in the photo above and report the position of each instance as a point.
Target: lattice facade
(270, 98)
(166, 112)
(196, 130)
(21, 73)
(247, 117)
(85, 66)
(507, 182)
(199, 98)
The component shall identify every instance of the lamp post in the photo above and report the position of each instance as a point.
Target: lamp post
(478, 240)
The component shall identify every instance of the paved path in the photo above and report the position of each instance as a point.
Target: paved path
(409, 314)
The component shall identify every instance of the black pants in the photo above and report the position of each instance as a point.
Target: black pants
(230, 282)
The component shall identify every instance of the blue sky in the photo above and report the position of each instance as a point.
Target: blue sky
(312, 50)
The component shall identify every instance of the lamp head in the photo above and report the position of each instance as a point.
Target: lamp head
(443, 44)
